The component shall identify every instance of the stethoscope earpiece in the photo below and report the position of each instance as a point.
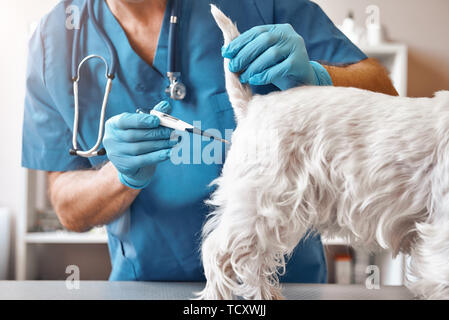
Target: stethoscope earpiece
(101, 152)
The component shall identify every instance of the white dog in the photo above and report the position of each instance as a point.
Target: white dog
(344, 162)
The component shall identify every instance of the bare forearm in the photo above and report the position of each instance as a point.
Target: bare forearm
(368, 74)
(85, 199)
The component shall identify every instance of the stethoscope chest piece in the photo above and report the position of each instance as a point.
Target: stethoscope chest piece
(176, 90)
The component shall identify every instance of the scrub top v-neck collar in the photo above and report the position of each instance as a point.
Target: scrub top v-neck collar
(131, 66)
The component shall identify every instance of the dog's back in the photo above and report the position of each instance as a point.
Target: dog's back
(367, 154)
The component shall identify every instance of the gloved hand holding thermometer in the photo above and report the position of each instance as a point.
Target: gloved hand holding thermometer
(274, 54)
(135, 143)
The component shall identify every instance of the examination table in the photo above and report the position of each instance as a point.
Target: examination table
(104, 290)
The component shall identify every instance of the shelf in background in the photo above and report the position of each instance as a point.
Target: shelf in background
(65, 237)
(385, 48)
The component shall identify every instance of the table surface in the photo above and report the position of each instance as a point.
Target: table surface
(105, 290)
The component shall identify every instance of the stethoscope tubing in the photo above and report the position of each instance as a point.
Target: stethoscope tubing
(94, 150)
(172, 38)
(89, 5)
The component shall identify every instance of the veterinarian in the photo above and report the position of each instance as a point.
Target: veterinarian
(153, 209)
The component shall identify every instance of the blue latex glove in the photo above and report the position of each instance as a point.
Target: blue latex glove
(135, 143)
(274, 54)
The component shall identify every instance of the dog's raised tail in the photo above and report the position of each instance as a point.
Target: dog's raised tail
(239, 94)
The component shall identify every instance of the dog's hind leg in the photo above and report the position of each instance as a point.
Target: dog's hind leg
(429, 269)
(217, 268)
(232, 258)
(244, 248)
(258, 261)
(226, 239)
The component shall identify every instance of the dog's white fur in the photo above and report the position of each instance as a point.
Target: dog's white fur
(344, 162)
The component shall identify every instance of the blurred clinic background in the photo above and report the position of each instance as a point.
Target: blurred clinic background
(408, 36)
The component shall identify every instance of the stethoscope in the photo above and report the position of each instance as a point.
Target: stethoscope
(176, 89)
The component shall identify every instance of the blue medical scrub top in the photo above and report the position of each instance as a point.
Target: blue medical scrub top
(158, 237)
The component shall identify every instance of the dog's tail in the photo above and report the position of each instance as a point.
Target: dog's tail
(239, 94)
